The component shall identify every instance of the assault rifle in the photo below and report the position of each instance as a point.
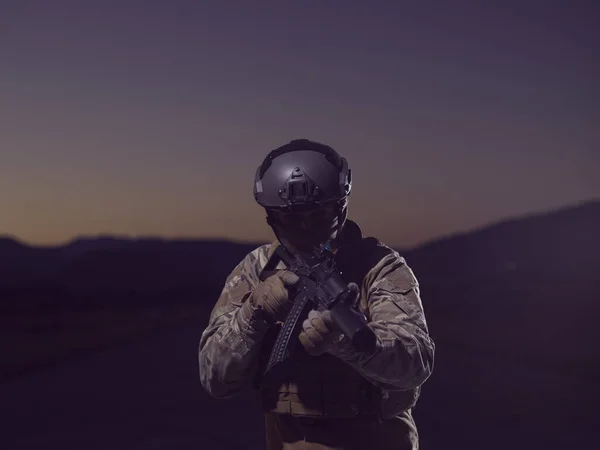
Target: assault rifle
(320, 287)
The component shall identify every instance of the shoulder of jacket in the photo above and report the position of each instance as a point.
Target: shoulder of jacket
(254, 261)
(378, 253)
(383, 259)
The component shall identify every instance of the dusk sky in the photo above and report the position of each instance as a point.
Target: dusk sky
(143, 118)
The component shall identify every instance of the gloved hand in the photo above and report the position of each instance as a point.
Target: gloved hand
(319, 334)
(272, 294)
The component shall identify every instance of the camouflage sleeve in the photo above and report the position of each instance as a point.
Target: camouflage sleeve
(404, 355)
(229, 346)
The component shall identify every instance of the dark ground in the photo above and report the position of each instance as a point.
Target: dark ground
(147, 395)
(143, 395)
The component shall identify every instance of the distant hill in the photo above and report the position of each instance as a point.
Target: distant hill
(143, 264)
(564, 241)
(108, 270)
(558, 242)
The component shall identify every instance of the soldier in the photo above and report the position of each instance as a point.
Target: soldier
(334, 397)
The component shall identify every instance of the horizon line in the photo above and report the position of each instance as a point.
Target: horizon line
(449, 235)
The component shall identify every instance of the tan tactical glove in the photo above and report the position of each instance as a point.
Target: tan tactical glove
(320, 335)
(272, 294)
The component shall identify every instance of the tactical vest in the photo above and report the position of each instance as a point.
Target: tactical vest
(324, 386)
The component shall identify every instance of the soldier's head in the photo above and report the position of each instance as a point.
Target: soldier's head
(304, 187)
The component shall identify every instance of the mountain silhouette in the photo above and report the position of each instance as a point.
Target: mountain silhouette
(560, 241)
(533, 245)
(110, 266)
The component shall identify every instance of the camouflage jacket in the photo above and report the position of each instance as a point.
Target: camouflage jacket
(230, 346)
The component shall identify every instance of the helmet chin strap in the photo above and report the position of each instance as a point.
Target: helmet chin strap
(341, 217)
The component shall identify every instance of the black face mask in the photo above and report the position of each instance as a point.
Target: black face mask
(305, 230)
(306, 239)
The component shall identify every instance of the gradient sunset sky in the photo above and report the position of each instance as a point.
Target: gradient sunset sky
(146, 118)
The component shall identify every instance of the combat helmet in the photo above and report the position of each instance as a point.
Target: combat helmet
(303, 175)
